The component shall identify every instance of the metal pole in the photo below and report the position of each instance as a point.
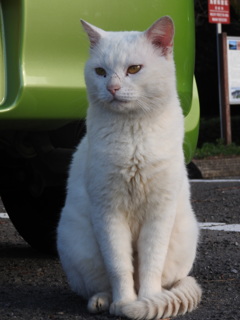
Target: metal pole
(218, 32)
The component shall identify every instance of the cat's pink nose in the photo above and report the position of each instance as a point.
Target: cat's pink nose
(113, 88)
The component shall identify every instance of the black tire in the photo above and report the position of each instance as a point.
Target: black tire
(193, 171)
(35, 218)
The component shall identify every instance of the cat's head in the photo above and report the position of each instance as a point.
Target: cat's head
(131, 71)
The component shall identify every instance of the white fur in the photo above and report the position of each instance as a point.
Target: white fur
(127, 236)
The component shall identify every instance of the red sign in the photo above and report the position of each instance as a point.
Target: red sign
(218, 11)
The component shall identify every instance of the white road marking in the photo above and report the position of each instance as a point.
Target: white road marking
(220, 226)
(4, 215)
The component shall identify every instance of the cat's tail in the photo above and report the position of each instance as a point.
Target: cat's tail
(183, 297)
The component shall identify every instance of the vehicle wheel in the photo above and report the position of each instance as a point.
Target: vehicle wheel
(35, 218)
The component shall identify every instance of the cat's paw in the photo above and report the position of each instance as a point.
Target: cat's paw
(117, 307)
(99, 302)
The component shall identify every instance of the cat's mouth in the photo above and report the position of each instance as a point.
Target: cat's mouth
(120, 105)
(117, 100)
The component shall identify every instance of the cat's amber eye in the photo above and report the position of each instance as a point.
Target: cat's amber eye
(134, 69)
(101, 72)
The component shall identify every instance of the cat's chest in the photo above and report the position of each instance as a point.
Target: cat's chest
(131, 151)
(134, 168)
(128, 158)
(134, 177)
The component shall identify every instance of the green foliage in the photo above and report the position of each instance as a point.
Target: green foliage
(217, 149)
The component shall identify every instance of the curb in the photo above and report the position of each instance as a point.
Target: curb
(219, 167)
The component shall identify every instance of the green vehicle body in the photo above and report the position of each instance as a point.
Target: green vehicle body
(43, 50)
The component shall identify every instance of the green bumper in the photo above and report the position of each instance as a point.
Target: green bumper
(43, 50)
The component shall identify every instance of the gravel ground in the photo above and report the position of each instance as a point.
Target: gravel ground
(33, 286)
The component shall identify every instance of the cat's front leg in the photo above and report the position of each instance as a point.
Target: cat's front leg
(152, 249)
(114, 237)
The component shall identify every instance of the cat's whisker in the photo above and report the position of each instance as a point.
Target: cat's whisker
(147, 104)
(144, 106)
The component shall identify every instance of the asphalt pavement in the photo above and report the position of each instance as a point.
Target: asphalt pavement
(33, 285)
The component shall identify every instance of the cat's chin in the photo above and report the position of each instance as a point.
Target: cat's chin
(122, 106)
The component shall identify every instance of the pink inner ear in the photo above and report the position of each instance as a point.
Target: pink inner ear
(161, 34)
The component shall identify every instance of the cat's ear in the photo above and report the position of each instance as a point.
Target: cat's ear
(94, 33)
(161, 35)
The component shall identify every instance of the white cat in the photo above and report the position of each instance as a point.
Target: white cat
(127, 236)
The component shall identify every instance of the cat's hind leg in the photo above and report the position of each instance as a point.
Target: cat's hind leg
(183, 243)
(82, 260)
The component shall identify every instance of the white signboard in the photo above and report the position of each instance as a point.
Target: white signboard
(233, 57)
